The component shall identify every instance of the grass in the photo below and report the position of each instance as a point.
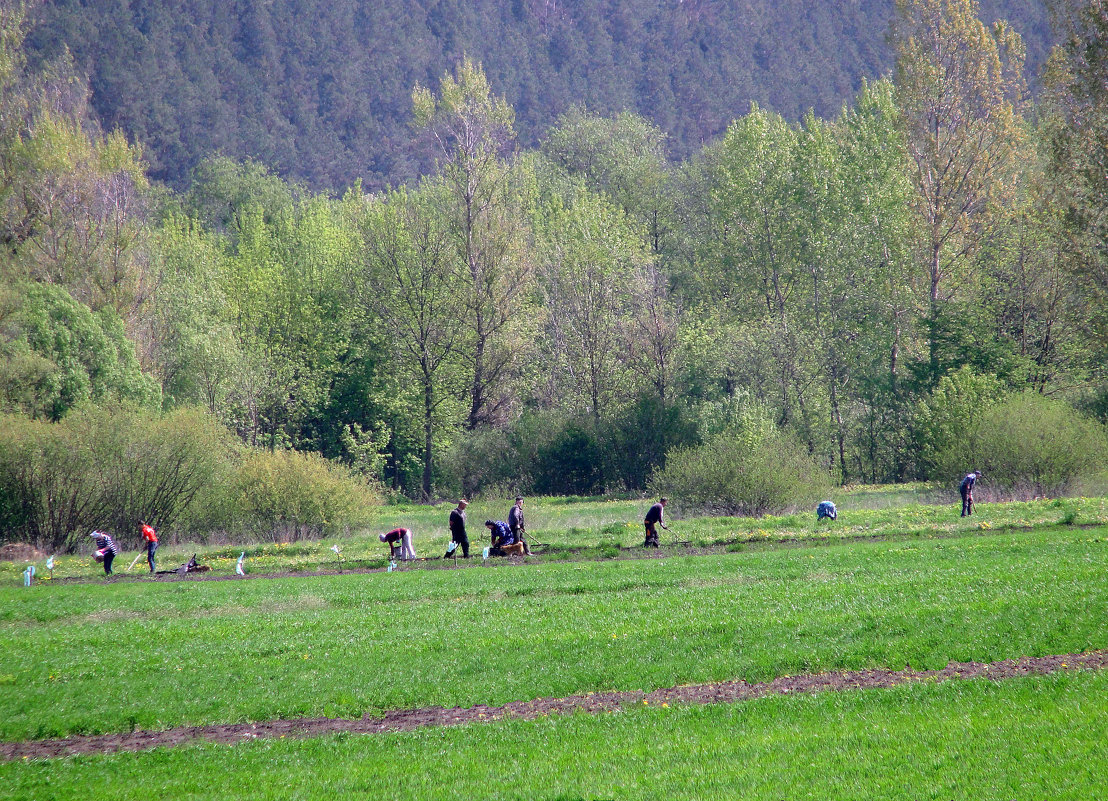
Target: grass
(1036, 737)
(604, 529)
(95, 658)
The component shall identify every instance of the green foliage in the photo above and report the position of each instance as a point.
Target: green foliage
(285, 495)
(950, 414)
(103, 467)
(742, 472)
(295, 88)
(1029, 443)
(58, 354)
(570, 461)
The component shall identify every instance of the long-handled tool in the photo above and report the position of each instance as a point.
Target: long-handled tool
(134, 562)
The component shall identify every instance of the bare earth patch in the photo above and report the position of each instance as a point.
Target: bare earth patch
(20, 552)
(407, 720)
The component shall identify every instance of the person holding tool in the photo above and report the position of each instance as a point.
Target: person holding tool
(654, 518)
(150, 537)
(458, 529)
(965, 489)
(515, 523)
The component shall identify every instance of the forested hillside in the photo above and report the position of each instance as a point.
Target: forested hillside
(904, 288)
(319, 91)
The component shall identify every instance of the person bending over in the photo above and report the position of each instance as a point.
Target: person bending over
(654, 518)
(402, 538)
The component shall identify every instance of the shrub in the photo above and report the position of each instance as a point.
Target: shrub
(102, 468)
(287, 495)
(571, 463)
(638, 439)
(481, 461)
(1030, 443)
(953, 408)
(742, 473)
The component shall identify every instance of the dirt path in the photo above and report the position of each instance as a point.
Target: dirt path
(407, 720)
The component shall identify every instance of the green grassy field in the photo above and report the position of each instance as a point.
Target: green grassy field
(1032, 738)
(100, 658)
(891, 584)
(574, 528)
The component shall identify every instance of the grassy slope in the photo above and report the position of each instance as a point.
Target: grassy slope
(96, 658)
(1039, 737)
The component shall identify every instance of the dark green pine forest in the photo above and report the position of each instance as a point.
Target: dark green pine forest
(320, 92)
(265, 264)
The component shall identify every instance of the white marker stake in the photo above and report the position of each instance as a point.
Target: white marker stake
(238, 567)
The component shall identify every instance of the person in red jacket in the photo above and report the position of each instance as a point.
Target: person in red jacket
(150, 537)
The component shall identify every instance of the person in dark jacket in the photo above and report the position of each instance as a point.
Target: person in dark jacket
(106, 550)
(458, 529)
(515, 523)
(654, 518)
(965, 489)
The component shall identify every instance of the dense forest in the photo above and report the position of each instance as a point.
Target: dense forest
(903, 288)
(320, 92)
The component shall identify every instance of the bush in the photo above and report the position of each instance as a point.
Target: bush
(102, 468)
(638, 440)
(742, 473)
(953, 408)
(286, 495)
(480, 462)
(1030, 443)
(570, 463)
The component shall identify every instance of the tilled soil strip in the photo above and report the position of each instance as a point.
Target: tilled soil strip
(407, 720)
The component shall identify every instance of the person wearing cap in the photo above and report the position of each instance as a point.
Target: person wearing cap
(515, 523)
(150, 537)
(402, 536)
(965, 489)
(106, 550)
(653, 518)
(458, 529)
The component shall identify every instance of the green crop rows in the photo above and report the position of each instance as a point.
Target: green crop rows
(92, 657)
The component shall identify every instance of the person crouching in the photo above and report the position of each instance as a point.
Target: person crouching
(504, 542)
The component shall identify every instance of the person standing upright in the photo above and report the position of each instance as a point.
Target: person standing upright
(515, 523)
(654, 518)
(965, 489)
(150, 537)
(458, 528)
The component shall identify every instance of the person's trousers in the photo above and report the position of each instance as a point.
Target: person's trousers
(651, 540)
(967, 503)
(463, 543)
(406, 549)
(151, 547)
(108, 557)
